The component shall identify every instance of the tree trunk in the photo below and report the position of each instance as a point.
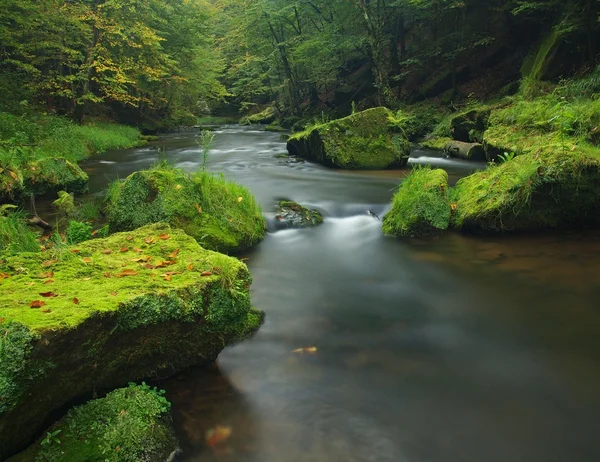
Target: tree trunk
(467, 151)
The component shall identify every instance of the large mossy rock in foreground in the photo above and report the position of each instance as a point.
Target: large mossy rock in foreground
(110, 311)
(371, 139)
(421, 206)
(551, 189)
(219, 214)
(129, 424)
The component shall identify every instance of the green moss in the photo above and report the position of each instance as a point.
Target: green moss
(371, 139)
(297, 216)
(537, 62)
(548, 189)
(266, 116)
(128, 425)
(156, 303)
(421, 206)
(437, 143)
(221, 215)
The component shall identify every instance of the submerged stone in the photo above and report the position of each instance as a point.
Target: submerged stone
(219, 214)
(550, 189)
(290, 214)
(130, 423)
(109, 311)
(370, 139)
(421, 206)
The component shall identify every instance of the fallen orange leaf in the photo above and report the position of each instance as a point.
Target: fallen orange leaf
(149, 266)
(106, 251)
(13, 175)
(47, 275)
(135, 249)
(48, 281)
(149, 240)
(174, 253)
(113, 293)
(106, 275)
(142, 259)
(47, 311)
(310, 350)
(218, 435)
(76, 301)
(127, 272)
(87, 260)
(129, 238)
(190, 267)
(48, 263)
(37, 304)
(198, 208)
(164, 237)
(48, 294)
(124, 249)
(206, 273)
(75, 250)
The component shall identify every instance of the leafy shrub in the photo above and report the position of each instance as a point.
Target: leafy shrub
(78, 232)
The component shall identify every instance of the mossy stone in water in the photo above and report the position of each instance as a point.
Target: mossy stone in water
(421, 206)
(109, 311)
(370, 139)
(129, 424)
(219, 214)
(293, 215)
(549, 189)
(52, 175)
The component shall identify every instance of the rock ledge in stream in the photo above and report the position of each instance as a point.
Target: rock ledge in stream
(550, 189)
(128, 424)
(421, 206)
(109, 311)
(219, 214)
(289, 214)
(371, 139)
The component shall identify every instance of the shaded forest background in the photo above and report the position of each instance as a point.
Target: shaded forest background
(156, 63)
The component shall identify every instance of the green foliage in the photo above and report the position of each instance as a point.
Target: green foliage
(219, 214)
(16, 235)
(78, 232)
(421, 205)
(128, 425)
(15, 349)
(65, 203)
(205, 142)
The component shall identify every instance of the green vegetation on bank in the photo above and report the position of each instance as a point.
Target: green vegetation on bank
(15, 235)
(108, 311)
(219, 214)
(39, 154)
(421, 205)
(129, 424)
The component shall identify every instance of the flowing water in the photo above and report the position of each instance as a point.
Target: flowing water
(448, 349)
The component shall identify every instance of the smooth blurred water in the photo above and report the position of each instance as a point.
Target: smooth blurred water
(448, 349)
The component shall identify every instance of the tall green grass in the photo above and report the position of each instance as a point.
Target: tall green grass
(16, 235)
(37, 137)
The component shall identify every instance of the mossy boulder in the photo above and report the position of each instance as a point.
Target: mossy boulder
(219, 214)
(469, 126)
(421, 206)
(268, 115)
(370, 139)
(110, 311)
(290, 214)
(129, 424)
(549, 189)
(53, 174)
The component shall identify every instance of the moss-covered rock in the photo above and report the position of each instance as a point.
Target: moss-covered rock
(421, 206)
(550, 189)
(370, 139)
(129, 424)
(292, 215)
(53, 174)
(469, 126)
(219, 214)
(110, 311)
(267, 115)
(436, 143)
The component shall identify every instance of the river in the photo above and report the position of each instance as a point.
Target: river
(454, 348)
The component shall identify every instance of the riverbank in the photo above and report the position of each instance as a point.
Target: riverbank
(39, 154)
